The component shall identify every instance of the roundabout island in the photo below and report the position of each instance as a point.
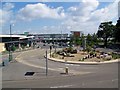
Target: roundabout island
(78, 56)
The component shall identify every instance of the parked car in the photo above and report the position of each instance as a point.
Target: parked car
(44, 44)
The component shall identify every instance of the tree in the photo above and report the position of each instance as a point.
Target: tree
(94, 39)
(91, 40)
(75, 40)
(117, 31)
(82, 39)
(105, 31)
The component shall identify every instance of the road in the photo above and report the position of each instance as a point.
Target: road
(80, 76)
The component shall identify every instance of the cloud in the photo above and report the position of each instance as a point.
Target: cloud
(87, 17)
(8, 6)
(6, 13)
(119, 9)
(39, 10)
(84, 17)
(106, 14)
(84, 8)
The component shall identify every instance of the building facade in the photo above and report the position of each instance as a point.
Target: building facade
(76, 33)
(14, 40)
(50, 37)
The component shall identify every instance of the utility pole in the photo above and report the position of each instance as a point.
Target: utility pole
(46, 64)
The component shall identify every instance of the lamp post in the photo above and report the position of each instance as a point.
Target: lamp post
(10, 51)
(46, 64)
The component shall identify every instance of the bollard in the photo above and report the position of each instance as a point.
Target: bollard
(3, 64)
(66, 70)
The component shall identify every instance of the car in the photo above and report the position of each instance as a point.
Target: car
(44, 44)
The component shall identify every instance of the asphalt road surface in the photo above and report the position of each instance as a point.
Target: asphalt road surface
(80, 76)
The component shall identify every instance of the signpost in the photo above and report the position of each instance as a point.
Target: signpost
(50, 50)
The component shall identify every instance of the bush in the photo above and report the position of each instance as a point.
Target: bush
(70, 49)
(82, 59)
(60, 52)
(92, 53)
(13, 48)
(54, 55)
(115, 56)
(88, 49)
(74, 51)
(23, 47)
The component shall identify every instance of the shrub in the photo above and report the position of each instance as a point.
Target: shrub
(23, 47)
(115, 56)
(82, 59)
(92, 53)
(69, 49)
(88, 49)
(74, 51)
(54, 55)
(13, 48)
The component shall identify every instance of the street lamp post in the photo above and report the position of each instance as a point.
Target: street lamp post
(46, 64)
(10, 51)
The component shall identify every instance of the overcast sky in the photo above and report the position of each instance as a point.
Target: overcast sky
(56, 17)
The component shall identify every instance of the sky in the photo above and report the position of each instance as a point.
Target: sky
(56, 17)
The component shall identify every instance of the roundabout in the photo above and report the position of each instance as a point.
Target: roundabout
(79, 75)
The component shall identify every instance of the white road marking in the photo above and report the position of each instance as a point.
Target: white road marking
(61, 86)
(108, 80)
(72, 64)
(37, 66)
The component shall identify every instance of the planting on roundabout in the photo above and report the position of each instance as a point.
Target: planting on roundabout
(87, 55)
